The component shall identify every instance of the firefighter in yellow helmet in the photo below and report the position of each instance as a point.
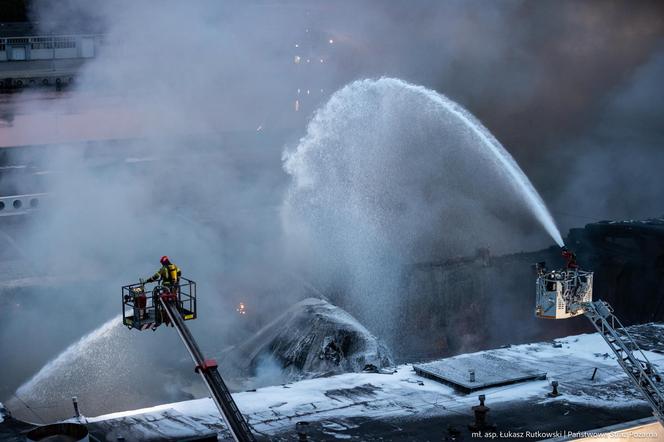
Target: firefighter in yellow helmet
(168, 275)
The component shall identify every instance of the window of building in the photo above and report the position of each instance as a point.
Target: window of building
(64, 42)
(41, 43)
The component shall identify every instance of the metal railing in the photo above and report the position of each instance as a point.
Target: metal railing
(628, 354)
(141, 308)
(575, 288)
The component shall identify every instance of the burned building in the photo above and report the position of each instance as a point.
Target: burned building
(483, 301)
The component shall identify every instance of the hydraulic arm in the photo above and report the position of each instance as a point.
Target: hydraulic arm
(568, 292)
(630, 356)
(207, 368)
(147, 310)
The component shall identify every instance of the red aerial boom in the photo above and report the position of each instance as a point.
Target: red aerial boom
(143, 310)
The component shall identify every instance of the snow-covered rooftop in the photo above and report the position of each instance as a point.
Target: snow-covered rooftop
(336, 402)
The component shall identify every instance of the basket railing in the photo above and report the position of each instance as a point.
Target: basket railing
(140, 305)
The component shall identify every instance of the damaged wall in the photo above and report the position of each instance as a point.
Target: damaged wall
(465, 304)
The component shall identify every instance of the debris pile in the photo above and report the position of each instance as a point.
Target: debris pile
(315, 338)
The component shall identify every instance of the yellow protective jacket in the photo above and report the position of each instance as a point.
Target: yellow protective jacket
(168, 275)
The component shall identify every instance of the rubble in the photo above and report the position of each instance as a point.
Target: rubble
(315, 338)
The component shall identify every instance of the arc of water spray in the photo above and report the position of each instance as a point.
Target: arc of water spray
(496, 152)
(540, 210)
(73, 350)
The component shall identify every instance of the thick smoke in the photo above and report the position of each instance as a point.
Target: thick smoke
(179, 188)
(615, 166)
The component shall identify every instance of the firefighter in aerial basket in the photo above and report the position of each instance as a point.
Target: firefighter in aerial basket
(570, 259)
(169, 278)
(572, 266)
(168, 275)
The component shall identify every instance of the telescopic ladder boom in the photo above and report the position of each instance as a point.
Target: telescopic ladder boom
(629, 355)
(208, 370)
(565, 293)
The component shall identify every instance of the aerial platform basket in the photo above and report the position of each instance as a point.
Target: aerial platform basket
(141, 309)
(563, 293)
(569, 292)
